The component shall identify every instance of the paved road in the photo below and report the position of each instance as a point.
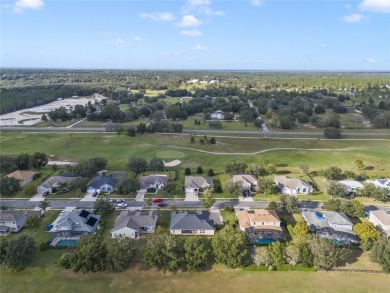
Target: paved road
(102, 129)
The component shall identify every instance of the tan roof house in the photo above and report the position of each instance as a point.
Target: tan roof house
(24, 177)
(381, 219)
(293, 186)
(248, 181)
(260, 225)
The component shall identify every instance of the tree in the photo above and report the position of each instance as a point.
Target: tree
(306, 255)
(103, 207)
(187, 171)
(120, 253)
(128, 185)
(130, 132)
(199, 170)
(8, 186)
(376, 192)
(149, 202)
(235, 167)
(274, 206)
(234, 188)
(207, 199)
(368, 234)
(293, 255)
(290, 203)
(332, 132)
(336, 189)
(33, 221)
(23, 161)
(137, 165)
(262, 256)
(359, 164)
(333, 204)
(277, 251)
(303, 168)
(210, 173)
(352, 208)
(7, 164)
(44, 204)
(324, 253)
(20, 252)
(44, 118)
(266, 186)
(229, 247)
(162, 252)
(380, 253)
(333, 173)
(192, 139)
(170, 187)
(196, 253)
(99, 163)
(213, 140)
(90, 255)
(141, 128)
(39, 160)
(301, 229)
(156, 164)
(3, 249)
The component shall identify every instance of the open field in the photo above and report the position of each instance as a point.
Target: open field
(219, 279)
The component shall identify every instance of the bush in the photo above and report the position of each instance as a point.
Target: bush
(44, 246)
(332, 132)
(229, 209)
(66, 261)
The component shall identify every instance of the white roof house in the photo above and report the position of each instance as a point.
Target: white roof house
(381, 219)
(293, 186)
(217, 115)
(385, 183)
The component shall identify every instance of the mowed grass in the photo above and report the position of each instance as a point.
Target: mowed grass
(218, 279)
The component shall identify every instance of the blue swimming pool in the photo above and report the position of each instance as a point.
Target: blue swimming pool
(67, 243)
(265, 240)
(319, 216)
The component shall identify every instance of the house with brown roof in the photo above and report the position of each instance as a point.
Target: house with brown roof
(381, 220)
(293, 186)
(248, 182)
(24, 177)
(260, 225)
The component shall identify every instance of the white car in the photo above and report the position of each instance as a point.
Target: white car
(122, 205)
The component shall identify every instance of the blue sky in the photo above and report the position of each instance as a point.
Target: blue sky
(196, 34)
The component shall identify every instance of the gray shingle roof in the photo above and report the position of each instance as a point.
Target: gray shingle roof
(11, 215)
(145, 181)
(72, 221)
(52, 181)
(197, 181)
(99, 181)
(191, 221)
(135, 220)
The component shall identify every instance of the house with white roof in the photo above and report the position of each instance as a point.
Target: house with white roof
(352, 186)
(217, 115)
(293, 186)
(381, 220)
(384, 183)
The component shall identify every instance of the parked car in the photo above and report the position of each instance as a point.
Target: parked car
(122, 205)
(163, 204)
(48, 227)
(95, 194)
(119, 200)
(62, 213)
(157, 200)
(46, 193)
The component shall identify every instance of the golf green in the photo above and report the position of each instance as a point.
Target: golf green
(170, 154)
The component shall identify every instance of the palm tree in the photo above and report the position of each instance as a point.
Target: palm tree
(149, 202)
(44, 204)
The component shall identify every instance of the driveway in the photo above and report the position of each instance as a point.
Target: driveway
(89, 197)
(37, 197)
(140, 195)
(190, 196)
(215, 215)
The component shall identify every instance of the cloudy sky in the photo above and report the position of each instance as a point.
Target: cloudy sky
(196, 34)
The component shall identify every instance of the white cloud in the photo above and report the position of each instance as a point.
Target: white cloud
(119, 42)
(379, 6)
(199, 48)
(370, 60)
(198, 2)
(322, 45)
(136, 38)
(158, 16)
(191, 33)
(210, 11)
(28, 4)
(189, 20)
(353, 18)
(201, 7)
(256, 2)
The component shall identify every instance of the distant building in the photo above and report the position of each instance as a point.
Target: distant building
(381, 220)
(12, 221)
(293, 186)
(352, 186)
(217, 115)
(53, 182)
(24, 177)
(384, 183)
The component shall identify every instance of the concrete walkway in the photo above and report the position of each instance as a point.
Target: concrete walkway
(191, 197)
(89, 197)
(215, 215)
(37, 197)
(74, 124)
(248, 198)
(140, 195)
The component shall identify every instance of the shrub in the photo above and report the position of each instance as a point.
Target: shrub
(44, 246)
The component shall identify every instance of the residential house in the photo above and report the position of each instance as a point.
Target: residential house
(195, 184)
(53, 182)
(191, 223)
(132, 224)
(381, 220)
(293, 186)
(260, 225)
(217, 115)
(73, 225)
(384, 183)
(24, 177)
(332, 225)
(248, 182)
(103, 183)
(12, 221)
(352, 186)
(154, 181)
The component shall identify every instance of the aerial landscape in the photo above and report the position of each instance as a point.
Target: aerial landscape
(195, 145)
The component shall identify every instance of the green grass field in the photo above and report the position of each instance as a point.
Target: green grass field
(218, 279)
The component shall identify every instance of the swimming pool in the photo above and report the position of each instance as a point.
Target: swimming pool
(67, 243)
(265, 240)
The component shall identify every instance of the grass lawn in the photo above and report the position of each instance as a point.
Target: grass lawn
(228, 216)
(357, 259)
(91, 124)
(218, 279)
